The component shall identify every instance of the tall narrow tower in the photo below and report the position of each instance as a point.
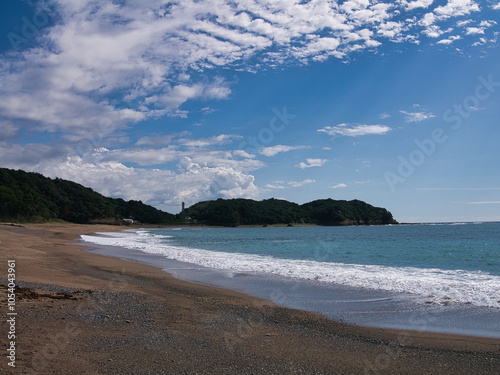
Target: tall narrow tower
(183, 206)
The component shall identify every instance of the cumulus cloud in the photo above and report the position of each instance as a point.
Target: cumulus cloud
(410, 5)
(339, 186)
(161, 176)
(310, 162)
(165, 189)
(449, 40)
(480, 28)
(474, 30)
(455, 8)
(355, 130)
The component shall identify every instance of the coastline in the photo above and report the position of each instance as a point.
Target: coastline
(97, 314)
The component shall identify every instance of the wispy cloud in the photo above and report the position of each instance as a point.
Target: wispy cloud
(301, 183)
(460, 189)
(486, 202)
(274, 150)
(355, 130)
(274, 186)
(312, 163)
(204, 142)
(339, 186)
(126, 62)
(417, 116)
(288, 184)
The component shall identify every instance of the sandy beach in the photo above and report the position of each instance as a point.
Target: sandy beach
(82, 313)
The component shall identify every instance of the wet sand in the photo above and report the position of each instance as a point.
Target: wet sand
(83, 313)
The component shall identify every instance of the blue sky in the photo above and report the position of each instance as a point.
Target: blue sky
(394, 103)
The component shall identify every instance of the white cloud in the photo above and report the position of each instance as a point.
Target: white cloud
(296, 184)
(243, 154)
(164, 189)
(474, 30)
(410, 5)
(351, 130)
(339, 186)
(455, 8)
(449, 40)
(280, 185)
(428, 19)
(487, 23)
(274, 187)
(459, 189)
(463, 23)
(106, 67)
(433, 31)
(274, 150)
(160, 139)
(8, 130)
(125, 62)
(417, 116)
(483, 25)
(185, 170)
(310, 162)
(496, 6)
(204, 142)
(485, 202)
(391, 29)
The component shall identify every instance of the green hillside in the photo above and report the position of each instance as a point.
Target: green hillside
(31, 197)
(233, 212)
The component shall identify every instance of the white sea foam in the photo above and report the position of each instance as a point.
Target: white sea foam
(436, 285)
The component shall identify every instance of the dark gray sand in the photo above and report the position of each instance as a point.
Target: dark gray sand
(81, 313)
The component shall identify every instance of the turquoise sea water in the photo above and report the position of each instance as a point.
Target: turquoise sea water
(474, 247)
(456, 263)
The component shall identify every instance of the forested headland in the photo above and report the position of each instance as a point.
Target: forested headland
(234, 212)
(31, 197)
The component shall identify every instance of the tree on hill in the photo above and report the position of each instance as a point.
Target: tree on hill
(233, 212)
(31, 197)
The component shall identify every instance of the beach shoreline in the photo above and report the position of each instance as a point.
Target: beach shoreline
(100, 315)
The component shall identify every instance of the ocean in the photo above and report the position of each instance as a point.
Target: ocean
(439, 277)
